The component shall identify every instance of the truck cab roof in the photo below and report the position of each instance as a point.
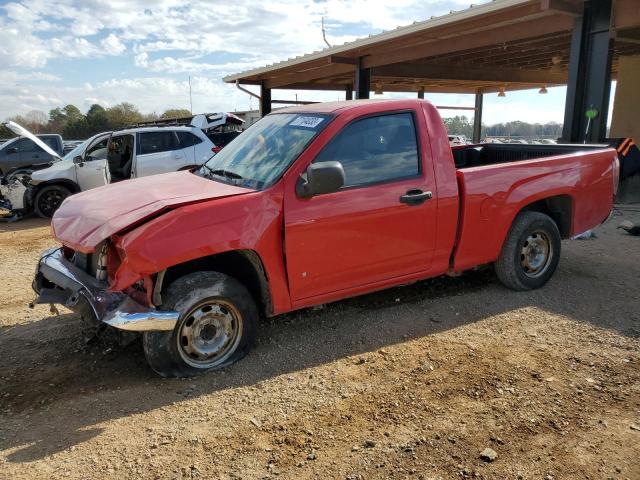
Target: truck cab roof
(356, 105)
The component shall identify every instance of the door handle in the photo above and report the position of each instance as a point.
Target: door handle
(415, 197)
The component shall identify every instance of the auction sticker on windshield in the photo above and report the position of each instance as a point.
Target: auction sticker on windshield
(307, 122)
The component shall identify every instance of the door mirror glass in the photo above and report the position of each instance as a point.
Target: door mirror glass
(322, 177)
(78, 159)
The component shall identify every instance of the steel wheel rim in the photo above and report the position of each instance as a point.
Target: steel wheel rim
(536, 254)
(51, 201)
(209, 333)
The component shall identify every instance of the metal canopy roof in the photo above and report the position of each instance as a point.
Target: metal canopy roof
(510, 44)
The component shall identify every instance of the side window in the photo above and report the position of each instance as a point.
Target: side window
(26, 145)
(375, 149)
(156, 142)
(187, 139)
(97, 151)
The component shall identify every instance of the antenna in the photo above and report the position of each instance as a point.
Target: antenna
(190, 98)
(324, 35)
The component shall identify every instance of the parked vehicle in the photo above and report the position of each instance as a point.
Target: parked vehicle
(22, 151)
(69, 145)
(311, 205)
(111, 157)
(457, 140)
(221, 127)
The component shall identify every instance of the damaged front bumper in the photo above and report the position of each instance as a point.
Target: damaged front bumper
(58, 280)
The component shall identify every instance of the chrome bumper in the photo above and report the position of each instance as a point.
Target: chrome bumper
(58, 280)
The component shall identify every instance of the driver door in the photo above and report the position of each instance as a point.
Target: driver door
(92, 171)
(370, 231)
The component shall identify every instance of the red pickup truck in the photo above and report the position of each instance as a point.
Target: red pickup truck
(311, 205)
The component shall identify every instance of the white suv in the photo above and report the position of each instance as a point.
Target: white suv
(120, 155)
(139, 152)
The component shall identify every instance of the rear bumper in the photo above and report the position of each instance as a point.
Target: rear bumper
(59, 281)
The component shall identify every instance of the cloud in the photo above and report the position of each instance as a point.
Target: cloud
(273, 30)
(112, 45)
(160, 42)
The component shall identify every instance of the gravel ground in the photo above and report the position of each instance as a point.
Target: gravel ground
(448, 378)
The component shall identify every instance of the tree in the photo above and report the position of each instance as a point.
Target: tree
(57, 120)
(150, 117)
(35, 121)
(459, 125)
(97, 119)
(175, 113)
(72, 113)
(123, 114)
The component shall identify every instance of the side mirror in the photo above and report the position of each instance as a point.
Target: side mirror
(322, 177)
(78, 160)
(12, 150)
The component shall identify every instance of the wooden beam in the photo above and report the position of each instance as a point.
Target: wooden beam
(497, 19)
(549, 43)
(567, 7)
(327, 71)
(446, 72)
(497, 36)
(626, 14)
(343, 60)
(635, 41)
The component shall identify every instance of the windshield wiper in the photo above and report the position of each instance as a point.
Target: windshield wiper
(225, 173)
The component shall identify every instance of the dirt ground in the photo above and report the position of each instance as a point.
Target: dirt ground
(413, 382)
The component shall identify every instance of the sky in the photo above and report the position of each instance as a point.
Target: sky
(53, 53)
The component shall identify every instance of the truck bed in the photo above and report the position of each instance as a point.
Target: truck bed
(574, 186)
(468, 156)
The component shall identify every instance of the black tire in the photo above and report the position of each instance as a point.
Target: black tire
(49, 198)
(179, 353)
(523, 263)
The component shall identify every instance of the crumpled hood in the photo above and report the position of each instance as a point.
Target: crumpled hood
(85, 219)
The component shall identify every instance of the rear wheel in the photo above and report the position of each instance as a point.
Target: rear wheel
(217, 326)
(531, 252)
(49, 198)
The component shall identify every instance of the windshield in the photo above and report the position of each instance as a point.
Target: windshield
(260, 155)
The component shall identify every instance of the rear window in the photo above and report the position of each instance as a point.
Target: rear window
(51, 142)
(187, 139)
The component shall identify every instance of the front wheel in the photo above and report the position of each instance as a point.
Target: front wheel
(49, 198)
(530, 253)
(217, 326)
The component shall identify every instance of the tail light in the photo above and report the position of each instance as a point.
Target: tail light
(216, 149)
(616, 174)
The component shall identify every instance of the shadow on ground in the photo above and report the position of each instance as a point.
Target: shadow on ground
(59, 356)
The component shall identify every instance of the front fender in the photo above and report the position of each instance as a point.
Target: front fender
(247, 222)
(59, 172)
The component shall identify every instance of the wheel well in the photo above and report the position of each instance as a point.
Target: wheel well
(243, 265)
(72, 186)
(559, 208)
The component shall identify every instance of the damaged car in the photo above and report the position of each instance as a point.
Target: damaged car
(311, 205)
(105, 158)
